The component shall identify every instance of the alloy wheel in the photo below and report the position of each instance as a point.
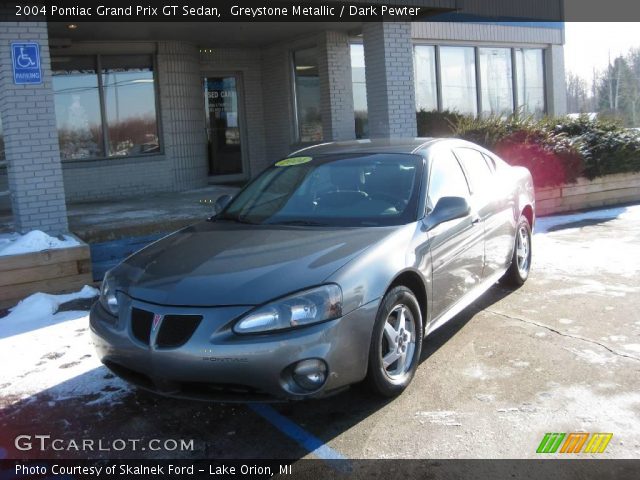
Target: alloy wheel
(398, 342)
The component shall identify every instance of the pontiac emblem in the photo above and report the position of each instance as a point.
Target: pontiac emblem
(157, 318)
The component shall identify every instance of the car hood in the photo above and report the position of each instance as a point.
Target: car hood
(226, 263)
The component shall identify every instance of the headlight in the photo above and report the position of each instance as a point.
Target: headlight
(303, 308)
(108, 298)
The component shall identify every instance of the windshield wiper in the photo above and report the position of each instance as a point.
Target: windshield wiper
(231, 219)
(303, 223)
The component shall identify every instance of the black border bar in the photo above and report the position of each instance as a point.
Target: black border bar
(555, 469)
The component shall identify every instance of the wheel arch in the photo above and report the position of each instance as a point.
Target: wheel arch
(414, 282)
(527, 211)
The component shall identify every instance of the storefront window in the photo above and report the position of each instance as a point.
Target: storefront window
(129, 99)
(77, 104)
(455, 69)
(530, 76)
(496, 81)
(360, 110)
(425, 77)
(107, 115)
(458, 74)
(307, 85)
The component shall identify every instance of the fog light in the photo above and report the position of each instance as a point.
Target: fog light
(310, 374)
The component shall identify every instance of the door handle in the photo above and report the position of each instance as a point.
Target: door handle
(475, 220)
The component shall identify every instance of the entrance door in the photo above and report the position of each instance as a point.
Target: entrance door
(223, 127)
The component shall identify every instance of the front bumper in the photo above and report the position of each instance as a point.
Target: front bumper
(216, 364)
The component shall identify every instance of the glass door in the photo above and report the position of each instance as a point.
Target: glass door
(223, 126)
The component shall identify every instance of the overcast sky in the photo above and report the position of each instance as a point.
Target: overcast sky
(588, 44)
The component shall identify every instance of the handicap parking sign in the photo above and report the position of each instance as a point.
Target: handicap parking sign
(26, 63)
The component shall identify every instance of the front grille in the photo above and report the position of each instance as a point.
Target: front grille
(175, 330)
(141, 321)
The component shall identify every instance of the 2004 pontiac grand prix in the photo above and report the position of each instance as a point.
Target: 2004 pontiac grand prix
(328, 269)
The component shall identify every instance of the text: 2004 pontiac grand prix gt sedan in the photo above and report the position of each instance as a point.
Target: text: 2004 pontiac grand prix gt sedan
(328, 269)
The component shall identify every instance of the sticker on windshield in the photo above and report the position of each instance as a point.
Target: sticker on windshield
(288, 162)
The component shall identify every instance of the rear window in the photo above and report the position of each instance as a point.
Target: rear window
(478, 170)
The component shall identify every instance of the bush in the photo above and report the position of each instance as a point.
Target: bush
(437, 124)
(555, 150)
(604, 144)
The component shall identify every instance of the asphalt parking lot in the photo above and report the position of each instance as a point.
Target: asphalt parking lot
(560, 354)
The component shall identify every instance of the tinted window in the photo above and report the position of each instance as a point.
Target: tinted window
(307, 85)
(359, 91)
(480, 176)
(496, 81)
(446, 179)
(530, 76)
(490, 161)
(425, 77)
(113, 107)
(346, 190)
(458, 78)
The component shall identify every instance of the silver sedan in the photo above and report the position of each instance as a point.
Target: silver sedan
(328, 269)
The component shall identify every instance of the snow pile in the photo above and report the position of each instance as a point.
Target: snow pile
(56, 356)
(34, 241)
(37, 309)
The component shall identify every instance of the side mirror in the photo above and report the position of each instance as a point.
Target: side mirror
(221, 202)
(447, 208)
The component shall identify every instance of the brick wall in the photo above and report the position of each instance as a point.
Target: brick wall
(336, 89)
(277, 101)
(31, 140)
(182, 113)
(388, 52)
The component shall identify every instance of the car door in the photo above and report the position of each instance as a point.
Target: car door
(492, 203)
(457, 246)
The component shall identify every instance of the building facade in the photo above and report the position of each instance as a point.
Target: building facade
(136, 109)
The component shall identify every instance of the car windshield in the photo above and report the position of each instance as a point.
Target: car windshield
(334, 190)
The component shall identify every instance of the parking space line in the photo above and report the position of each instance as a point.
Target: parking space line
(312, 444)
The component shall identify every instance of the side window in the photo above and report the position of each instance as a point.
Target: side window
(446, 179)
(490, 161)
(479, 173)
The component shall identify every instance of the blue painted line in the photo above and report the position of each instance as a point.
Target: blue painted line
(311, 443)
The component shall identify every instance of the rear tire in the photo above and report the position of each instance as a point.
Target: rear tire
(396, 343)
(521, 261)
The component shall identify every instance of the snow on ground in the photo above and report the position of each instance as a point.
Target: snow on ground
(36, 311)
(51, 353)
(558, 247)
(34, 241)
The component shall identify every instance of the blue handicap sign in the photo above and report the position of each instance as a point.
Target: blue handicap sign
(26, 63)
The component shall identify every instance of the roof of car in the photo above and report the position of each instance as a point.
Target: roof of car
(393, 145)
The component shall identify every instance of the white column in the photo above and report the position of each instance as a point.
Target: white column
(336, 90)
(556, 87)
(30, 137)
(388, 53)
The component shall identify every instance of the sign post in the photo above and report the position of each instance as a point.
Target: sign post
(26, 63)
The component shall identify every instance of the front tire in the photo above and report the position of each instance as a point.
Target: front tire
(396, 343)
(521, 261)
